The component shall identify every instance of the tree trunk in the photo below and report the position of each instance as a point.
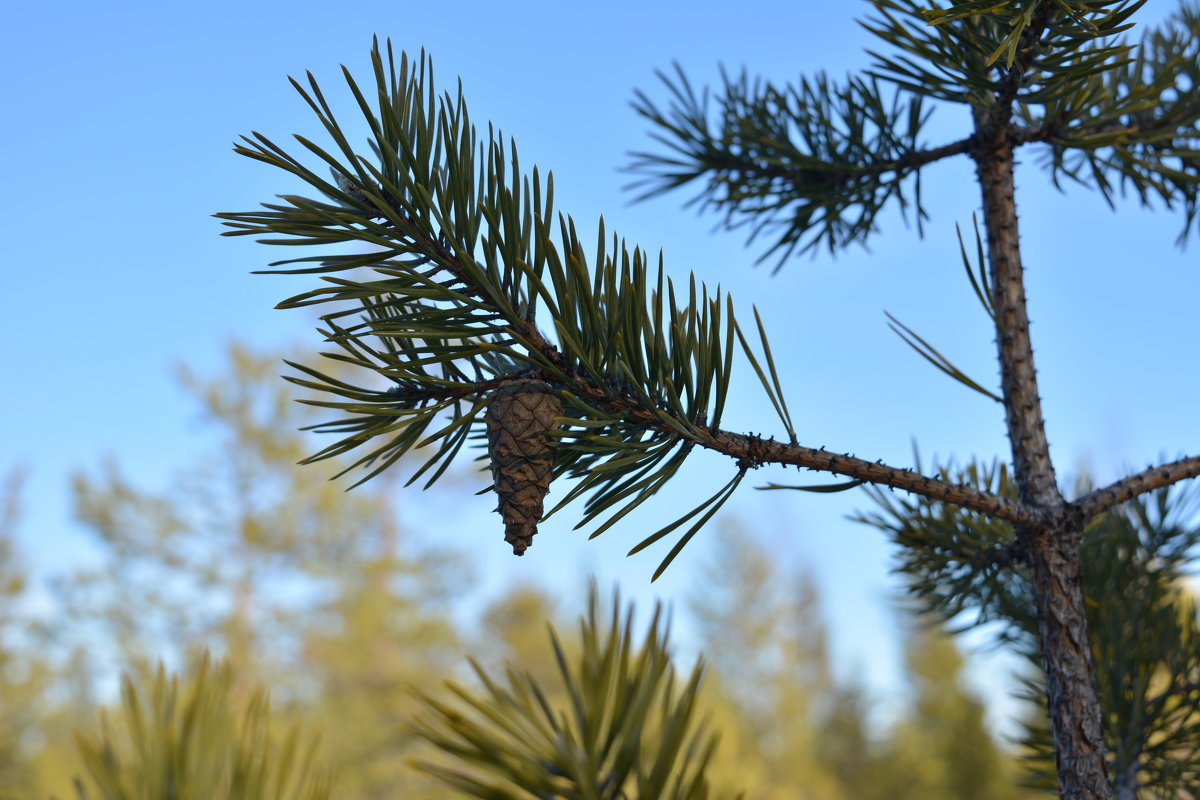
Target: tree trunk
(1052, 544)
(1075, 714)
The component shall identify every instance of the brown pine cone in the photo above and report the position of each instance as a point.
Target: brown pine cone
(518, 415)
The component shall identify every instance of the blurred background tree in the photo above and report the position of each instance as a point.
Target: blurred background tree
(195, 740)
(284, 574)
(23, 676)
(941, 749)
(341, 611)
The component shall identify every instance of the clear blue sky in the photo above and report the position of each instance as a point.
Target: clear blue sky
(121, 118)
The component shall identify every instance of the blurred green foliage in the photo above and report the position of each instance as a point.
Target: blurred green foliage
(377, 619)
(190, 741)
(626, 725)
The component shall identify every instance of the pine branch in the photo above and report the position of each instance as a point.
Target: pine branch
(1028, 51)
(812, 163)
(756, 450)
(1097, 502)
(907, 162)
(1138, 125)
(1021, 58)
(1128, 129)
(464, 254)
(954, 560)
(748, 450)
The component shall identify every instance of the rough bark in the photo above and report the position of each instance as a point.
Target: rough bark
(1101, 500)
(1051, 545)
(1018, 377)
(1074, 706)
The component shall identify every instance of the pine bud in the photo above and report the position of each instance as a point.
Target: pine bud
(519, 414)
(348, 186)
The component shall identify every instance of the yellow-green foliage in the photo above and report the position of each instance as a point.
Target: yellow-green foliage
(193, 741)
(626, 729)
(341, 661)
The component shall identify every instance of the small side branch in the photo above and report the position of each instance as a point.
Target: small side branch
(756, 450)
(1128, 128)
(1101, 500)
(912, 160)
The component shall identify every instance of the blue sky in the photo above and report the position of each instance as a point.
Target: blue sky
(122, 117)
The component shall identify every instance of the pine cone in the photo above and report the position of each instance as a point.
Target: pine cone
(519, 414)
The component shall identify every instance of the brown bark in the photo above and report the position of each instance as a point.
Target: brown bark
(1075, 715)
(1018, 377)
(1101, 500)
(1051, 545)
(756, 450)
